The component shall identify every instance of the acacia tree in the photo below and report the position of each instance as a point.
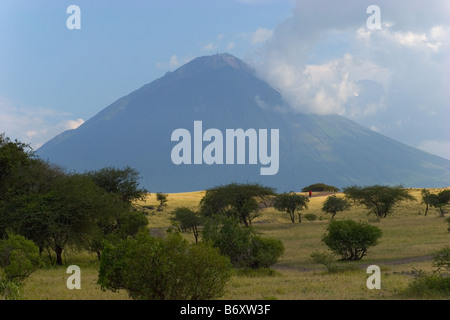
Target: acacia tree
(66, 215)
(378, 199)
(334, 204)
(21, 175)
(236, 200)
(162, 198)
(291, 202)
(124, 183)
(320, 187)
(188, 219)
(427, 199)
(440, 201)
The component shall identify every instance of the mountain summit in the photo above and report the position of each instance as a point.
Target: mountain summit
(188, 113)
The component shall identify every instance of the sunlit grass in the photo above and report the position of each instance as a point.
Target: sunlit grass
(405, 234)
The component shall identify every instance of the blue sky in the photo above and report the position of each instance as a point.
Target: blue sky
(320, 55)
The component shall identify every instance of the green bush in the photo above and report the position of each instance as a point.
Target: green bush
(19, 258)
(231, 239)
(310, 216)
(244, 248)
(429, 285)
(267, 251)
(10, 290)
(164, 268)
(351, 239)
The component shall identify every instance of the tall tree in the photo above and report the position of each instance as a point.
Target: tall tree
(15, 158)
(291, 202)
(124, 183)
(66, 215)
(378, 199)
(237, 200)
(21, 174)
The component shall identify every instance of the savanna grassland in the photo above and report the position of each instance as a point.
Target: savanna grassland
(408, 243)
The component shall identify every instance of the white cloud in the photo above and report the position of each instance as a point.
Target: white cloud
(261, 35)
(437, 147)
(210, 47)
(172, 63)
(324, 88)
(33, 126)
(301, 58)
(230, 45)
(73, 124)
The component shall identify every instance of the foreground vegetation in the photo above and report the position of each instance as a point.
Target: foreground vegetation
(129, 244)
(409, 240)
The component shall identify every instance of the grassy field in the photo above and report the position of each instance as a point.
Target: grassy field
(408, 241)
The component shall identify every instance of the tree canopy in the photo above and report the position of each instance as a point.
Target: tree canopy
(377, 198)
(236, 200)
(124, 183)
(334, 204)
(291, 202)
(188, 219)
(320, 187)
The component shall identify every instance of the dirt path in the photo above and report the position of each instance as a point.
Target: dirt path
(364, 266)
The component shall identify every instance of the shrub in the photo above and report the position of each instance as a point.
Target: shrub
(351, 239)
(310, 216)
(429, 285)
(244, 248)
(10, 290)
(267, 251)
(436, 283)
(164, 268)
(19, 258)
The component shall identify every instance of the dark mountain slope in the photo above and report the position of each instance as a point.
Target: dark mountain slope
(224, 93)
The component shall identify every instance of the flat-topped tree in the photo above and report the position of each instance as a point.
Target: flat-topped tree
(320, 187)
(291, 202)
(236, 200)
(378, 199)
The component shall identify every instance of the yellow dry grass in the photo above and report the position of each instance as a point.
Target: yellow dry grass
(406, 234)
